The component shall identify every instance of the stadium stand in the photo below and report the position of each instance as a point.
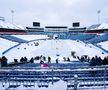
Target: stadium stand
(87, 76)
(82, 37)
(12, 38)
(99, 38)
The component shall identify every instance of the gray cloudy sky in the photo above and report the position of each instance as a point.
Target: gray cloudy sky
(54, 12)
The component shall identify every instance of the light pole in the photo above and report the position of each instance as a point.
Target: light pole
(98, 12)
(12, 12)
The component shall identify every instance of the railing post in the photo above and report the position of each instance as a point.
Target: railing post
(105, 77)
(52, 76)
(75, 82)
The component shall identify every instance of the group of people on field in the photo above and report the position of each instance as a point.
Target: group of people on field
(94, 61)
(98, 61)
(3, 61)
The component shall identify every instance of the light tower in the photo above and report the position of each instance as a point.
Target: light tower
(98, 12)
(12, 12)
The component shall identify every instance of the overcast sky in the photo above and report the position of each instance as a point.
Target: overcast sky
(54, 12)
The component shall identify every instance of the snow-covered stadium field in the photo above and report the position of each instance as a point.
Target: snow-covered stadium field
(55, 48)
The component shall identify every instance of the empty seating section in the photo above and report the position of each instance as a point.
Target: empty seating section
(12, 38)
(82, 37)
(87, 76)
(99, 38)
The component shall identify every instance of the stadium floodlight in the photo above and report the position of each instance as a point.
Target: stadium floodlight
(12, 12)
(98, 12)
